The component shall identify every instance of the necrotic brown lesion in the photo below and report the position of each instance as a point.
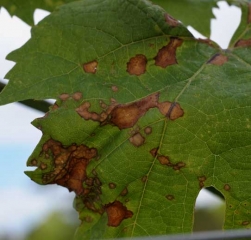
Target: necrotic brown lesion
(90, 67)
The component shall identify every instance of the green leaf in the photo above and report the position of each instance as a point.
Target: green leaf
(197, 14)
(24, 9)
(243, 31)
(145, 117)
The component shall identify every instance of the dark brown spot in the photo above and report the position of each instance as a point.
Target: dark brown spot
(179, 165)
(54, 107)
(64, 96)
(69, 165)
(164, 160)
(124, 192)
(154, 152)
(94, 172)
(97, 181)
(90, 67)
(77, 96)
(227, 187)
(115, 88)
(43, 166)
(202, 179)
(171, 110)
(167, 55)
(112, 185)
(116, 213)
(218, 59)
(148, 130)
(125, 116)
(137, 140)
(171, 21)
(169, 197)
(137, 65)
(89, 181)
(243, 43)
(33, 162)
(245, 223)
(143, 179)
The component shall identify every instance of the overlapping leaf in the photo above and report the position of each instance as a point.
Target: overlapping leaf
(25, 9)
(197, 14)
(145, 116)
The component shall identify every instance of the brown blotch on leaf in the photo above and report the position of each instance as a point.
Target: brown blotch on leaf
(137, 140)
(43, 166)
(154, 152)
(69, 165)
(171, 110)
(116, 213)
(164, 160)
(148, 130)
(125, 116)
(94, 172)
(245, 223)
(90, 67)
(112, 185)
(33, 162)
(115, 88)
(89, 182)
(202, 179)
(54, 107)
(218, 59)
(227, 187)
(102, 104)
(64, 96)
(97, 181)
(143, 179)
(83, 111)
(170, 197)
(124, 192)
(167, 55)
(171, 21)
(243, 43)
(178, 165)
(77, 96)
(137, 65)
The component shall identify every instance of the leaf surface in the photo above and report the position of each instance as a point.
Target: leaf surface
(145, 117)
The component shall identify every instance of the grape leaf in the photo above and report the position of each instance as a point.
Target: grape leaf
(243, 30)
(197, 14)
(145, 117)
(25, 9)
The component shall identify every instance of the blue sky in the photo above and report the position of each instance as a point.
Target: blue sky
(24, 203)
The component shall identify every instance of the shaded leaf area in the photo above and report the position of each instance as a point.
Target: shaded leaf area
(42, 106)
(25, 9)
(197, 14)
(145, 117)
